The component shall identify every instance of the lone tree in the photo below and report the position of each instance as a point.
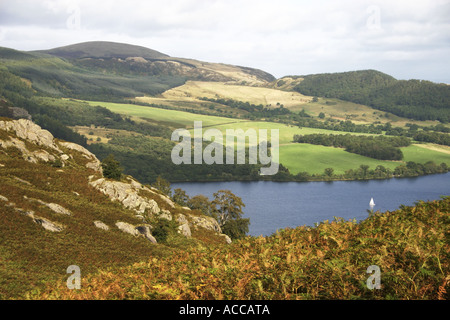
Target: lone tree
(180, 197)
(202, 203)
(163, 185)
(228, 213)
(111, 168)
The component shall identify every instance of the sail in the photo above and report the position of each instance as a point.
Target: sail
(372, 203)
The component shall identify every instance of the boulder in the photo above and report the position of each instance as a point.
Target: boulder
(53, 206)
(206, 222)
(143, 231)
(127, 194)
(45, 223)
(183, 227)
(101, 225)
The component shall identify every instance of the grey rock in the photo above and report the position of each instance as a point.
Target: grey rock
(183, 227)
(93, 164)
(45, 223)
(26, 129)
(127, 194)
(53, 206)
(206, 222)
(101, 225)
(143, 231)
(165, 214)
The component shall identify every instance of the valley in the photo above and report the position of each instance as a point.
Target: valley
(87, 179)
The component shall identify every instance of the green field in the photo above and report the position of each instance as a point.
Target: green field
(296, 157)
(302, 157)
(421, 155)
(178, 119)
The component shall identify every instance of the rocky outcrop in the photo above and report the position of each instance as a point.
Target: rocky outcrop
(18, 113)
(28, 155)
(46, 148)
(183, 225)
(127, 194)
(26, 129)
(206, 222)
(136, 231)
(93, 162)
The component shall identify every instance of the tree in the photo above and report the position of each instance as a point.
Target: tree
(228, 213)
(111, 168)
(236, 229)
(329, 172)
(180, 197)
(202, 203)
(322, 115)
(364, 169)
(163, 185)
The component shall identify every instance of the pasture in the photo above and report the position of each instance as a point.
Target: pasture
(296, 157)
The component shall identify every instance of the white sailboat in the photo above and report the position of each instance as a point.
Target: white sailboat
(372, 203)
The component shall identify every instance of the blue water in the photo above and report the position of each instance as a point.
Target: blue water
(276, 205)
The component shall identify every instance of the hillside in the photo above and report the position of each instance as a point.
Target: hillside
(416, 99)
(57, 210)
(112, 57)
(330, 261)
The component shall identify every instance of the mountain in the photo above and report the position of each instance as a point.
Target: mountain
(112, 57)
(57, 209)
(109, 71)
(104, 49)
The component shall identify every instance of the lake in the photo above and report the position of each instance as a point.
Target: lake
(276, 205)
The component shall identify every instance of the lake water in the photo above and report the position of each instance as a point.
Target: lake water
(276, 205)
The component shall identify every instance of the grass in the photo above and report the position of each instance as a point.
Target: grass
(296, 157)
(420, 154)
(302, 157)
(193, 90)
(177, 119)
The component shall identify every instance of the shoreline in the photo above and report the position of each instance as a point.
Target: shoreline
(310, 180)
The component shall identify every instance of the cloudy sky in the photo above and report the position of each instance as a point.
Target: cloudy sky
(407, 39)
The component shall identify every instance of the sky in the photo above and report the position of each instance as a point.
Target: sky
(407, 39)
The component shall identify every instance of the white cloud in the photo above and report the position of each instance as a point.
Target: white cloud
(281, 37)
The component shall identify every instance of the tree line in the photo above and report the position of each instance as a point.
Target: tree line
(376, 147)
(254, 110)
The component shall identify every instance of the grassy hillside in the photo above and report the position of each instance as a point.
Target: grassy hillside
(55, 76)
(193, 90)
(329, 261)
(32, 186)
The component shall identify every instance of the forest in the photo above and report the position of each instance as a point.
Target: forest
(414, 99)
